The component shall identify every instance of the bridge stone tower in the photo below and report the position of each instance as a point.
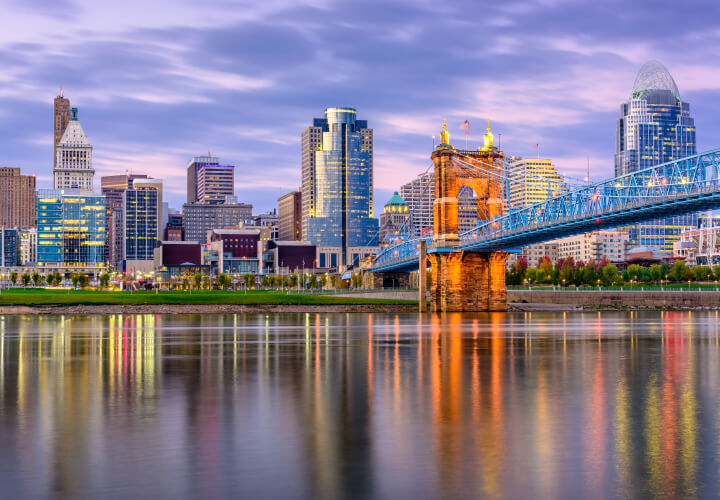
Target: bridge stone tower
(462, 280)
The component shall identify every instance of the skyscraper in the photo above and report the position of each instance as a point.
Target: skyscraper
(533, 180)
(290, 217)
(340, 212)
(61, 117)
(73, 167)
(654, 127)
(71, 229)
(311, 141)
(420, 195)
(113, 188)
(17, 198)
(208, 181)
(142, 214)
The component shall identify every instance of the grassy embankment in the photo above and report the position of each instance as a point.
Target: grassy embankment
(39, 296)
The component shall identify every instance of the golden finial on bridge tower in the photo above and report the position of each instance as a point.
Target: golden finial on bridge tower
(487, 139)
(444, 134)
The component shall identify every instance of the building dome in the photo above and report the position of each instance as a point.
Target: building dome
(652, 77)
(396, 204)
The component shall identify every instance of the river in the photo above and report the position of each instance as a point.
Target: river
(517, 405)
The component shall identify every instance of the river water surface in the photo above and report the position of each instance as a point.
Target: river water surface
(517, 405)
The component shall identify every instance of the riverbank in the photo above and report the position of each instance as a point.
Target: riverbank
(84, 309)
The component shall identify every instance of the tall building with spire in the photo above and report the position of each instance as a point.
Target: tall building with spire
(654, 127)
(61, 117)
(339, 208)
(73, 158)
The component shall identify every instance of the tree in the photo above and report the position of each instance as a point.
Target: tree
(249, 279)
(79, 280)
(678, 270)
(36, 278)
(224, 281)
(665, 270)
(333, 280)
(104, 280)
(58, 278)
(702, 273)
(313, 282)
(512, 277)
(589, 275)
(566, 273)
(516, 274)
(13, 277)
(645, 275)
(293, 280)
(356, 280)
(716, 272)
(322, 281)
(609, 274)
(25, 279)
(655, 273)
(198, 279)
(531, 275)
(521, 263)
(544, 271)
(633, 271)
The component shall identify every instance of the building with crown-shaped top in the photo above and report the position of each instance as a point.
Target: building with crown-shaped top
(73, 161)
(393, 220)
(655, 126)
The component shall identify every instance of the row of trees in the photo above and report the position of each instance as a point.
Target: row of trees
(567, 272)
(55, 279)
(223, 281)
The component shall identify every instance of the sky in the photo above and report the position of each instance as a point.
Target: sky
(157, 82)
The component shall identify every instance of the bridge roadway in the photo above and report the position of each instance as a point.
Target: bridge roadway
(680, 187)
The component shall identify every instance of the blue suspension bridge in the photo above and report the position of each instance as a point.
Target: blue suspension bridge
(679, 187)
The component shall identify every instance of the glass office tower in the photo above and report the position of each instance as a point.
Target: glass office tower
(71, 229)
(142, 211)
(655, 127)
(343, 186)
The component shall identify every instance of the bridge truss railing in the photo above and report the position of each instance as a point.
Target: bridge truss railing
(401, 251)
(665, 182)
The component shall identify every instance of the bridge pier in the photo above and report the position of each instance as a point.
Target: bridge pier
(468, 281)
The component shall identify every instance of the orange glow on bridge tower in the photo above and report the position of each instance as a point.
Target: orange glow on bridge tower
(461, 280)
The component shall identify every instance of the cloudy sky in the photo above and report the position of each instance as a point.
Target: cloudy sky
(160, 81)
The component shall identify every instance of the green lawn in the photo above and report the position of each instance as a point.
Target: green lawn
(38, 296)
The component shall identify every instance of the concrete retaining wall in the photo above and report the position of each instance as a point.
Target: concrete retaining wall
(578, 298)
(617, 298)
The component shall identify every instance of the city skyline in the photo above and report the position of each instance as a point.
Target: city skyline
(528, 71)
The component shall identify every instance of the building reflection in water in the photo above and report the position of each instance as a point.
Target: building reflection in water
(360, 405)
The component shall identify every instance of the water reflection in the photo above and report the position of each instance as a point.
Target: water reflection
(560, 405)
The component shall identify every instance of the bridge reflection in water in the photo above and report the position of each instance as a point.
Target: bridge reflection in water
(360, 406)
